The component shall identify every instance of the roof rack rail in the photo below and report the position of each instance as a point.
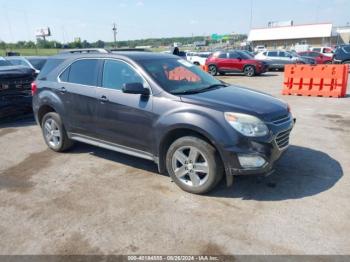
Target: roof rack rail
(129, 50)
(84, 51)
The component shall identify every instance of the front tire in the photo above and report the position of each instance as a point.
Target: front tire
(213, 70)
(194, 165)
(54, 133)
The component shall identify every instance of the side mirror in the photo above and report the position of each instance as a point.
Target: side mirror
(239, 58)
(135, 88)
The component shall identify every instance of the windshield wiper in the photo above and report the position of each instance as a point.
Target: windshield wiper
(199, 90)
(213, 86)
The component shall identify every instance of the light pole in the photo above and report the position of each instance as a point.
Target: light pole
(115, 31)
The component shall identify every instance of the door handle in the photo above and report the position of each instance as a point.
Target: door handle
(63, 90)
(104, 99)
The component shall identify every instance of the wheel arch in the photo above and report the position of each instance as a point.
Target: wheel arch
(43, 110)
(176, 133)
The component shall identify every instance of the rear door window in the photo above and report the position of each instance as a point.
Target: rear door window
(272, 54)
(222, 55)
(234, 55)
(84, 72)
(282, 54)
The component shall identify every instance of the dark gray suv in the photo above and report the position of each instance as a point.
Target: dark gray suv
(162, 108)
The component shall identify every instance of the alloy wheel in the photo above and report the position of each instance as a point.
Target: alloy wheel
(52, 133)
(212, 70)
(249, 71)
(190, 166)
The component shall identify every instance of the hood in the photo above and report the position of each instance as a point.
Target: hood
(240, 100)
(15, 71)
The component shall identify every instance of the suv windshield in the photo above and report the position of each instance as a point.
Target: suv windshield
(178, 76)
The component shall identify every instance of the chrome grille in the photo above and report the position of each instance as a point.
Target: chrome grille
(281, 120)
(282, 139)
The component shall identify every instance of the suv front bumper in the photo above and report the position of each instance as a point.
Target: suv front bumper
(270, 151)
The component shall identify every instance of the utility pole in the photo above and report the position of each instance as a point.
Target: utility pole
(115, 34)
(251, 14)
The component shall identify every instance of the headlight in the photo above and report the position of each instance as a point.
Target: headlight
(246, 124)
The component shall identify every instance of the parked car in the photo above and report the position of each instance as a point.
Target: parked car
(327, 51)
(235, 62)
(319, 58)
(15, 90)
(192, 125)
(34, 62)
(260, 48)
(342, 55)
(277, 59)
(198, 58)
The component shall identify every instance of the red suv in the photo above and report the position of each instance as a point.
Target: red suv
(235, 62)
(319, 58)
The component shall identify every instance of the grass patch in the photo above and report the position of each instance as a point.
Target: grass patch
(32, 52)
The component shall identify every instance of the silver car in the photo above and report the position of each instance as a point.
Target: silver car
(277, 59)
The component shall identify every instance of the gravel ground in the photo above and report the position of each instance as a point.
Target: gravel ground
(95, 201)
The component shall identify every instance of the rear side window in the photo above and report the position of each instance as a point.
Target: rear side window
(222, 55)
(49, 66)
(84, 72)
(234, 55)
(65, 75)
(272, 54)
(282, 54)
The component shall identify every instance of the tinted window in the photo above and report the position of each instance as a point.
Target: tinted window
(84, 72)
(234, 55)
(347, 49)
(282, 54)
(18, 62)
(316, 49)
(4, 62)
(272, 53)
(222, 55)
(49, 66)
(37, 63)
(64, 76)
(313, 54)
(117, 73)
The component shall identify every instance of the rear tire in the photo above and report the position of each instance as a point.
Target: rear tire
(54, 133)
(194, 165)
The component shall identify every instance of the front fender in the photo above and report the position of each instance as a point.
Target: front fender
(212, 126)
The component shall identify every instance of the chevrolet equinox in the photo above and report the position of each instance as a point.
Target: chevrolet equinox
(161, 108)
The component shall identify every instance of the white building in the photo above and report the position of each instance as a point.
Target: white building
(286, 36)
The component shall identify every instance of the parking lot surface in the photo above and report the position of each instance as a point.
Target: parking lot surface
(95, 201)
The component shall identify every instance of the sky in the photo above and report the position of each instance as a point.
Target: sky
(139, 19)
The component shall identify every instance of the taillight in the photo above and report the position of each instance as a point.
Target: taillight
(34, 88)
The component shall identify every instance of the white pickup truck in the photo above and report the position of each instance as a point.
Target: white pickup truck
(198, 58)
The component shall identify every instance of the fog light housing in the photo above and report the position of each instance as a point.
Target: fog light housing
(251, 161)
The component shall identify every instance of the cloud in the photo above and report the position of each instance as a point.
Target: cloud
(122, 4)
(140, 3)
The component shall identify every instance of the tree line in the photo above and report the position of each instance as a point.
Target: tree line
(153, 42)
